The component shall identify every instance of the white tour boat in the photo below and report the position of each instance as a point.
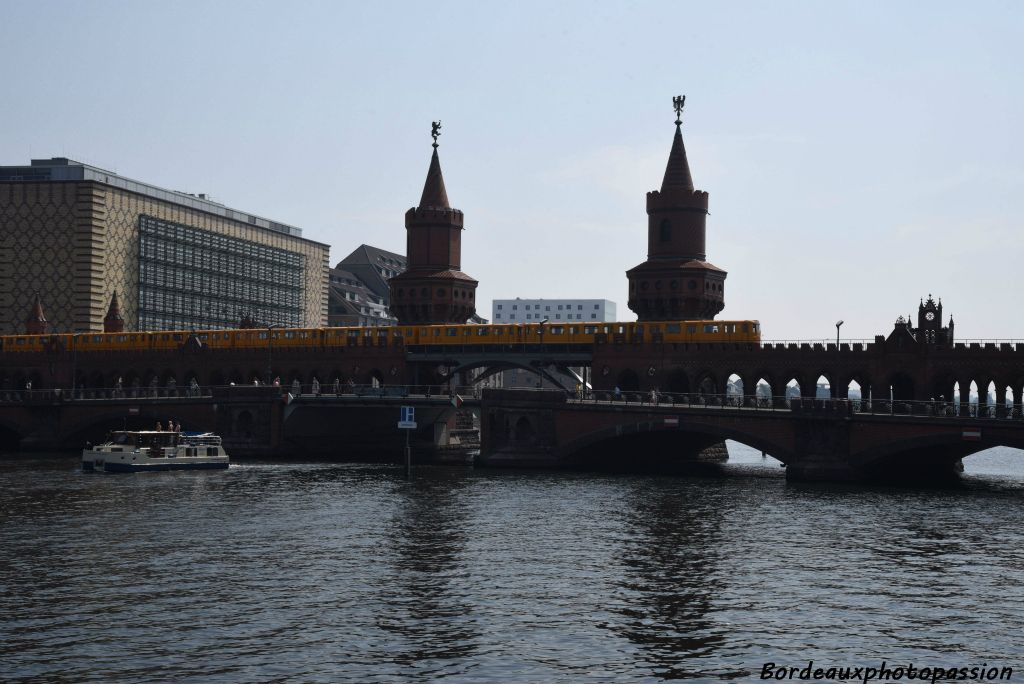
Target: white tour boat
(131, 451)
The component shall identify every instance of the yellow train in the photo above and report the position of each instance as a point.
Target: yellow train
(547, 334)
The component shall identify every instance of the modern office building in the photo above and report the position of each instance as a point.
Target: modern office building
(530, 310)
(76, 234)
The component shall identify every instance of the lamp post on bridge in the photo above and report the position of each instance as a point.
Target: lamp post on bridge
(839, 324)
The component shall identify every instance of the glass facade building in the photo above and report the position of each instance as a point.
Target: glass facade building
(197, 279)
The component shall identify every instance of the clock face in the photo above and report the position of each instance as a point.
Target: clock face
(930, 316)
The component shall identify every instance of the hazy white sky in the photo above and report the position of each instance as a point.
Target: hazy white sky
(858, 155)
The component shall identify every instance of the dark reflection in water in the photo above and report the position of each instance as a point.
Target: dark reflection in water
(668, 586)
(427, 611)
(326, 573)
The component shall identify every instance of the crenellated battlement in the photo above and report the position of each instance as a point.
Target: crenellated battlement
(446, 216)
(677, 198)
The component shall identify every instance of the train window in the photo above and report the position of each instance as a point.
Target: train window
(746, 327)
(691, 329)
(483, 332)
(289, 335)
(163, 337)
(672, 327)
(21, 340)
(353, 333)
(655, 328)
(122, 338)
(572, 330)
(557, 330)
(621, 329)
(589, 329)
(757, 327)
(437, 332)
(710, 328)
(178, 337)
(97, 338)
(451, 332)
(467, 331)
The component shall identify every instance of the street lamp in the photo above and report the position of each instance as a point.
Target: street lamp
(838, 325)
(270, 351)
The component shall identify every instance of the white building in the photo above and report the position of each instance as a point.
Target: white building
(529, 310)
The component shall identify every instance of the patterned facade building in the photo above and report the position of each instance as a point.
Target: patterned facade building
(77, 234)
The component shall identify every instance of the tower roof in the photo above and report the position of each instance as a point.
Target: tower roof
(434, 194)
(677, 173)
(36, 315)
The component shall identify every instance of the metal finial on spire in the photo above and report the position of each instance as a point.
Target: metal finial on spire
(678, 101)
(435, 131)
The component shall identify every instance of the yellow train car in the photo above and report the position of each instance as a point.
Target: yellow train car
(105, 342)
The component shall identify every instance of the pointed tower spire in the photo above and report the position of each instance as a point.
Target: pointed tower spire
(677, 172)
(676, 282)
(113, 322)
(36, 324)
(434, 193)
(433, 288)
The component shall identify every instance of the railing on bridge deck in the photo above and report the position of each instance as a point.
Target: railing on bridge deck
(841, 407)
(307, 390)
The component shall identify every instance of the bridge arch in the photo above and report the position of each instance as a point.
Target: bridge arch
(628, 380)
(900, 387)
(677, 382)
(611, 445)
(707, 384)
(827, 387)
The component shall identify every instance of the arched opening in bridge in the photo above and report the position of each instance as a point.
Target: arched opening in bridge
(972, 398)
(901, 388)
(990, 395)
(1008, 397)
(628, 380)
(677, 382)
(734, 388)
(822, 388)
(707, 386)
(792, 389)
(524, 432)
(217, 378)
(854, 392)
(376, 377)
(763, 391)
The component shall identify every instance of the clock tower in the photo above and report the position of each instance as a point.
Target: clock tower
(929, 329)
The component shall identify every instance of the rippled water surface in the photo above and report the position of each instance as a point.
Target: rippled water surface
(349, 573)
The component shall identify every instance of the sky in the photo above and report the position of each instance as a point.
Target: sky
(859, 155)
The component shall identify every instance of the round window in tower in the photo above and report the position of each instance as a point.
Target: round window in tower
(692, 284)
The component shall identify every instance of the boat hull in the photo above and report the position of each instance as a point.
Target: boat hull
(135, 467)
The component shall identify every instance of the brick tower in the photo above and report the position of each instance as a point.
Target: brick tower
(676, 282)
(433, 289)
(113, 322)
(36, 323)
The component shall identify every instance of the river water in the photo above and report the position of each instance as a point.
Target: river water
(351, 573)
